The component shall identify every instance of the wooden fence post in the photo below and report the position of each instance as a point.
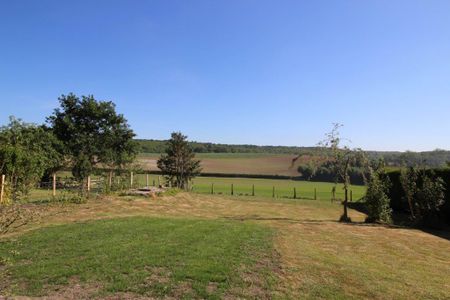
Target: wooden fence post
(89, 184)
(159, 182)
(54, 184)
(253, 190)
(2, 189)
(232, 189)
(351, 196)
(315, 194)
(131, 179)
(146, 180)
(212, 188)
(154, 182)
(333, 194)
(295, 193)
(273, 192)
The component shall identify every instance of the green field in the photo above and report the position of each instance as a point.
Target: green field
(263, 187)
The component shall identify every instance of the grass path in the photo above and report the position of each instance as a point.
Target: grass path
(318, 257)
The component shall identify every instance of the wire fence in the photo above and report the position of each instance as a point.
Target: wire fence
(64, 186)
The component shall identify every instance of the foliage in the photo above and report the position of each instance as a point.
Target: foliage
(27, 152)
(376, 198)
(408, 180)
(430, 198)
(179, 165)
(325, 172)
(340, 160)
(425, 194)
(92, 133)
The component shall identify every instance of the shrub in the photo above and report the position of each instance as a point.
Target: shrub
(377, 200)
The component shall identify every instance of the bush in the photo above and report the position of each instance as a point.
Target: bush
(377, 200)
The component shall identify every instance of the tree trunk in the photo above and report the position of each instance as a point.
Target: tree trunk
(345, 204)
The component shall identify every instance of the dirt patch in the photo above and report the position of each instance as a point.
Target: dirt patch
(158, 275)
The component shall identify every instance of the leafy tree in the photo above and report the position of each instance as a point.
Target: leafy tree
(307, 171)
(179, 164)
(408, 180)
(92, 133)
(377, 200)
(27, 152)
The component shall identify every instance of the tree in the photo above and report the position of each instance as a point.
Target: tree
(340, 160)
(92, 133)
(377, 200)
(408, 180)
(179, 165)
(27, 152)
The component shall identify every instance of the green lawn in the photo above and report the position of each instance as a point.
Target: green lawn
(143, 256)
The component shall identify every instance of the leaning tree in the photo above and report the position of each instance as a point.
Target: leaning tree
(339, 159)
(178, 164)
(93, 133)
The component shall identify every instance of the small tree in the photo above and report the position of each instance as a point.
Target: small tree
(408, 180)
(377, 200)
(92, 133)
(179, 164)
(340, 160)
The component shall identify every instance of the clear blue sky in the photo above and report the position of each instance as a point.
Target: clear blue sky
(259, 72)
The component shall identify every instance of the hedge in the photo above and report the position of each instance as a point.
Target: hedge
(396, 193)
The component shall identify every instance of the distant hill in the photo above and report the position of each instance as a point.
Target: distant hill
(436, 158)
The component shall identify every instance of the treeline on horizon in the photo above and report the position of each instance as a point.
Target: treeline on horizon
(436, 158)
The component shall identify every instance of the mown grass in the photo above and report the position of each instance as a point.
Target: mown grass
(139, 255)
(318, 257)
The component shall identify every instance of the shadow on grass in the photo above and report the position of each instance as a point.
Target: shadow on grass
(441, 233)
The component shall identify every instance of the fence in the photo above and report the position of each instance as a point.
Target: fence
(107, 181)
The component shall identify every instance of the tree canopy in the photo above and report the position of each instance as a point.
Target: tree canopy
(92, 133)
(27, 151)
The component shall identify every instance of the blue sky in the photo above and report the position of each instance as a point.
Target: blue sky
(256, 72)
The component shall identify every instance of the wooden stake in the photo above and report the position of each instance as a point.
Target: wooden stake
(315, 194)
(131, 179)
(232, 189)
(295, 193)
(89, 184)
(146, 180)
(273, 192)
(2, 188)
(54, 184)
(212, 188)
(253, 190)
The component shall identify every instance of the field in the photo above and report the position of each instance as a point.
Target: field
(236, 163)
(263, 187)
(215, 246)
(281, 188)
